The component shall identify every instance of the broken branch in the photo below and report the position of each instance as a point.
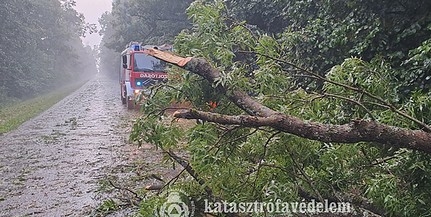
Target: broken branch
(260, 115)
(356, 131)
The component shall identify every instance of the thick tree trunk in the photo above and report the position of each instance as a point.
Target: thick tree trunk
(260, 115)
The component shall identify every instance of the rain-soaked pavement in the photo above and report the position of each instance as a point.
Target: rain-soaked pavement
(52, 164)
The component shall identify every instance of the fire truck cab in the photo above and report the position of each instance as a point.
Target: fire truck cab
(139, 71)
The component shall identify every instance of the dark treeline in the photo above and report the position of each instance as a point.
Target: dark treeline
(40, 47)
(334, 62)
(321, 33)
(324, 33)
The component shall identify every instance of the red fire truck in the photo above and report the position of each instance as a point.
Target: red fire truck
(139, 71)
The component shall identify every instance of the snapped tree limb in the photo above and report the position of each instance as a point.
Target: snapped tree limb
(260, 115)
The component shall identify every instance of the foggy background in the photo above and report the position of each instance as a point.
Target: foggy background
(92, 10)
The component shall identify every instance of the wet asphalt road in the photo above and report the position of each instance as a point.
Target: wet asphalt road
(52, 164)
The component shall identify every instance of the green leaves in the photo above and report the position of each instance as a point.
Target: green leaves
(150, 21)
(418, 67)
(305, 71)
(37, 36)
(214, 41)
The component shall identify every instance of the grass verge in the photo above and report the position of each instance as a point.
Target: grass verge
(12, 116)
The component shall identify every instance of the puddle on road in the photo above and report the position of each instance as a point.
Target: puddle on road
(52, 165)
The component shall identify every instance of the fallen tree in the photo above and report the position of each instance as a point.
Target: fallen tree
(260, 115)
(285, 114)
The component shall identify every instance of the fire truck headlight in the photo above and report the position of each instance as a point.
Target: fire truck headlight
(138, 83)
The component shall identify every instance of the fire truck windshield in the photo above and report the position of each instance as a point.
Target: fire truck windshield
(143, 63)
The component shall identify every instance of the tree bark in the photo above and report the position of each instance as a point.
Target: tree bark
(262, 116)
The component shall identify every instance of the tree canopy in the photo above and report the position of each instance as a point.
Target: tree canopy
(329, 100)
(41, 46)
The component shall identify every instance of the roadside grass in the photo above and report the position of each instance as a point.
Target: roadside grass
(12, 116)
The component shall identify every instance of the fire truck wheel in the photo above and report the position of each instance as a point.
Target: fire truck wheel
(130, 104)
(123, 99)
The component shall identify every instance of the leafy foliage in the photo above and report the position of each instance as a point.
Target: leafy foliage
(147, 21)
(40, 46)
(305, 70)
(323, 33)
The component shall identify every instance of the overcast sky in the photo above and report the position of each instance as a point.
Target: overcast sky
(92, 10)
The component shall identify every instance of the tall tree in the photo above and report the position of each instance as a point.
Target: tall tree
(40, 46)
(109, 58)
(333, 30)
(147, 21)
